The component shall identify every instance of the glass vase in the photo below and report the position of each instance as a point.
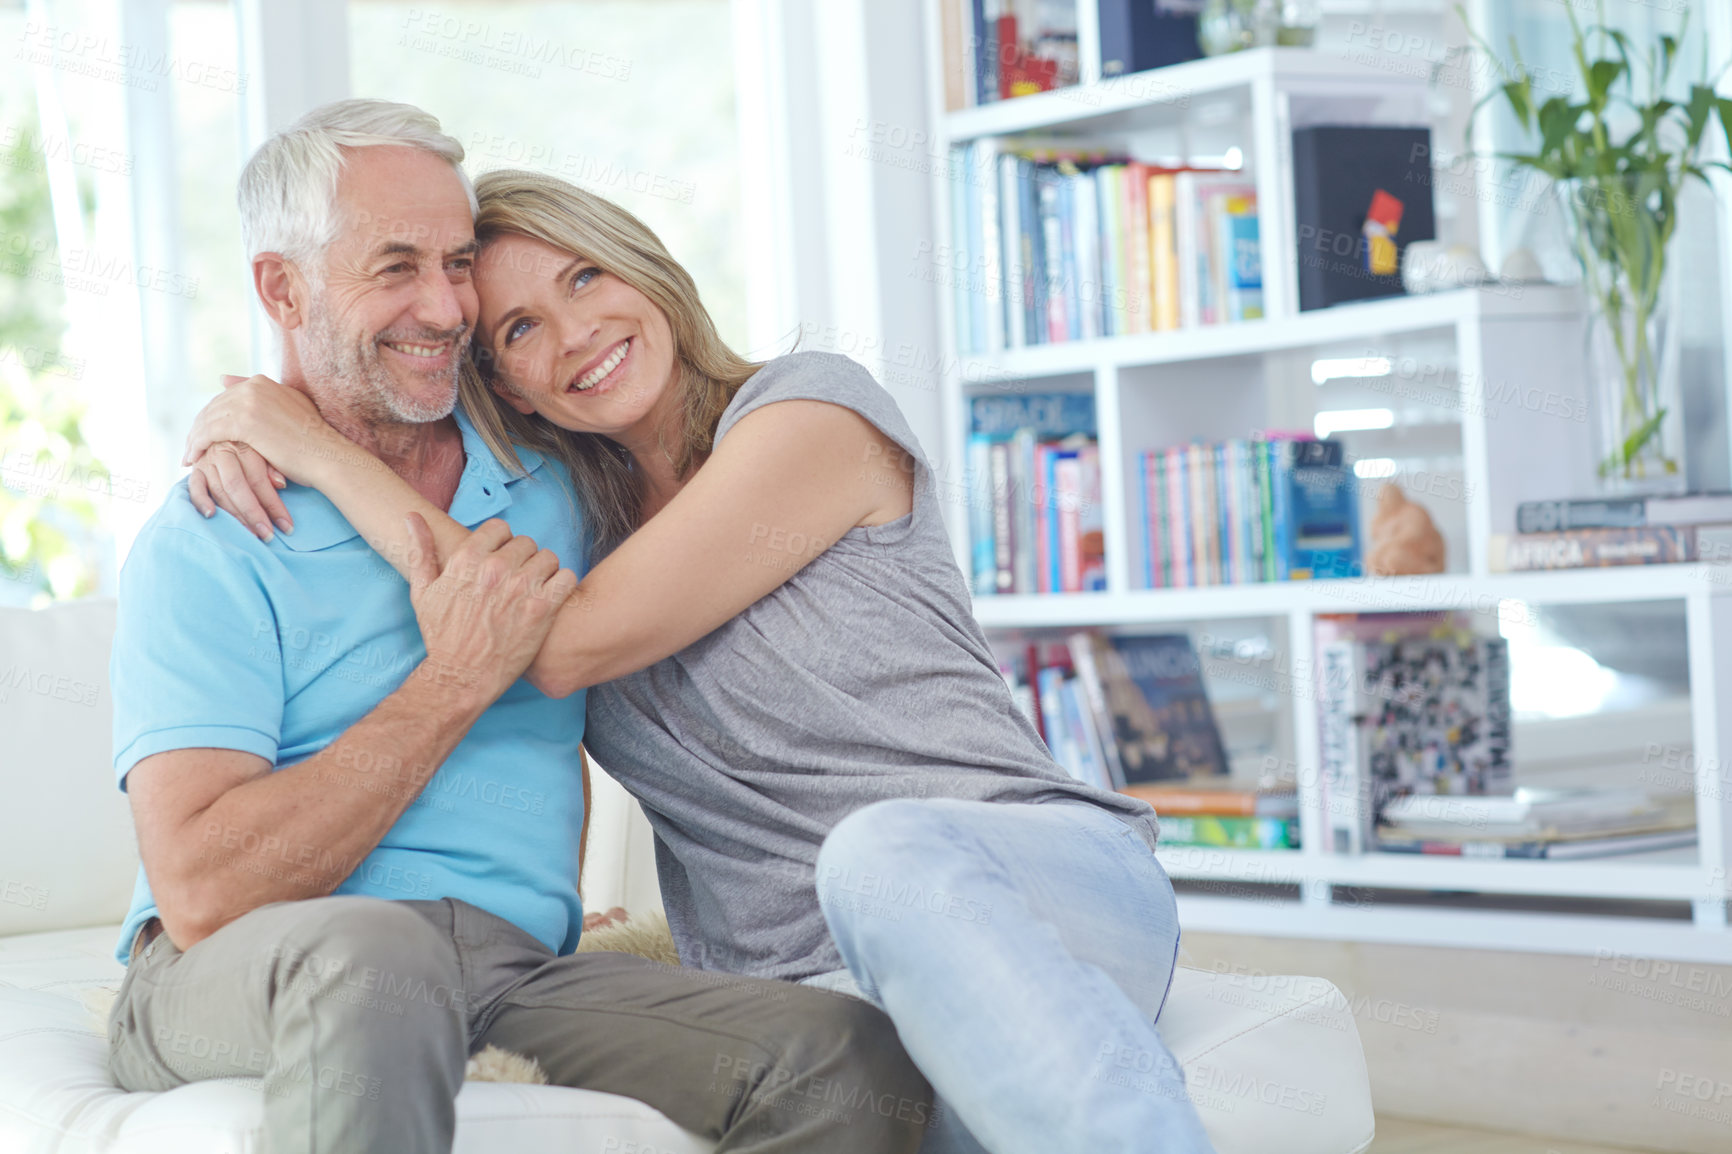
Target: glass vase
(1619, 229)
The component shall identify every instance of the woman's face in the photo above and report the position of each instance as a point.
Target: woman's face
(573, 343)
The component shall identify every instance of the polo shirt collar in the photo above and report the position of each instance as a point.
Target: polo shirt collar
(483, 491)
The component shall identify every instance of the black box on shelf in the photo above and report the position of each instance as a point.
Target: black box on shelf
(1137, 35)
(1361, 195)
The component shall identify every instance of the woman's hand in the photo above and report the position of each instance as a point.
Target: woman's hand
(280, 423)
(231, 439)
(230, 476)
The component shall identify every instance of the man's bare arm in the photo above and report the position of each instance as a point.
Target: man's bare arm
(220, 834)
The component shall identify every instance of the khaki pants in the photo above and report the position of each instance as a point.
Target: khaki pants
(359, 1013)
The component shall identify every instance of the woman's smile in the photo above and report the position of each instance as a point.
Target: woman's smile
(604, 372)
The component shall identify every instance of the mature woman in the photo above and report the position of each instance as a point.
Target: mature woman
(784, 669)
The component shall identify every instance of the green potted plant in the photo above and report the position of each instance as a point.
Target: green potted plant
(1619, 151)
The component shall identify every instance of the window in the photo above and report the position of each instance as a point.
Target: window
(632, 101)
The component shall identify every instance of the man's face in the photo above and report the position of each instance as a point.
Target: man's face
(391, 313)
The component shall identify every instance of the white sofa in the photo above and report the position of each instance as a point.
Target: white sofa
(1274, 1064)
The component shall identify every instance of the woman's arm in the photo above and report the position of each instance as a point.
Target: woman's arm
(788, 480)
(258, 425)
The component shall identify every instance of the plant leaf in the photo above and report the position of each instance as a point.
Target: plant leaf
(1519, 93)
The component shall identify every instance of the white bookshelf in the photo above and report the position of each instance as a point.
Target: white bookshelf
(1491, 348)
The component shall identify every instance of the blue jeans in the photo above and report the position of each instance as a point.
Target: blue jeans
(1024, 952)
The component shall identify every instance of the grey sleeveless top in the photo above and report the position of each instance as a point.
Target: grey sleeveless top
(863, 677)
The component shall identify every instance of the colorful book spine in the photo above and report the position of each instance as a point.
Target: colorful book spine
(1230, 514)
(1163, 258)
(982, 564)
(1013, 260)
(988, 254)
(1242, 262)
(1082, 656)
(1178, 519)
(1599, 548)
(1230, 832)
(1034, 478)
(1346, 794)
(1146, 521)
(1076, 245)
(1085, 241)
(1136, 243)
(1003, 523)
(1091, 535)
(1041, 500)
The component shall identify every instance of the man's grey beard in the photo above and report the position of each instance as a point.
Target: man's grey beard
(366, 388)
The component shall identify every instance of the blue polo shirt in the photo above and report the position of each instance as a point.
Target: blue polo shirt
(227, 642)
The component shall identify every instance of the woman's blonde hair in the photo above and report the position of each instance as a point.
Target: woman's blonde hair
(518, 203)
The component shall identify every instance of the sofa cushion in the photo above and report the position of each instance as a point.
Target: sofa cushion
(67, 852)
(56, 1097)
(1273, 1062)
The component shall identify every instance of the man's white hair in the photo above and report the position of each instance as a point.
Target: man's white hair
(288, 190)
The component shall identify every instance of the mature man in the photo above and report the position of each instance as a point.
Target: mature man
(359, 827)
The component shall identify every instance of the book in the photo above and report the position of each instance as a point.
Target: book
(1623, 512)
(985, 217)
(1137, 35)
(1556, 850)
(1346, 788)
(1089, 302)
(1109, 216)
(1003, 524)
(1192, 799)
(1015, 259)
(1160, 718)
(1320, 516)
(982, 563)
(1163, 272)
(954, 43)
(1229, 832)
(1082, 654)
(1525, 813)
(1049, 681)
(1599, 548)
(983, 60)
(1361, 195)
(1137, 242)
(1240, 259)
(1090, 763)
(1415, 713)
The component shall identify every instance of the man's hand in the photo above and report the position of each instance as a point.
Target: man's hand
(484, 618)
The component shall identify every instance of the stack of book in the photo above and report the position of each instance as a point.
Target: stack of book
(1119, 712)
(1060, 247)
(1408, 704)
(1277, 509)
(1231, 818)
(1035, 495)
(1592, 533)
(1535, 823)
